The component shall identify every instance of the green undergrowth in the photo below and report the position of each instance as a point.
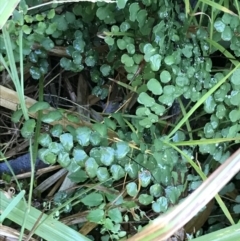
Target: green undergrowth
(163, 58)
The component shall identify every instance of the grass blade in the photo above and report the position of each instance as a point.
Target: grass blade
(6, 9)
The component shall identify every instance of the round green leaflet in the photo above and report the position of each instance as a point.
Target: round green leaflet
(122, 150)
(80, 156)
(103, 174)
(132, 189)
(64, 159)
(91, 167)
(145, 199)
(145, 99)
(40, 105)
(107, 155)
(219, 26)
(165, 76)
(161, 205)
(67, 141)
(28, 128)
(51, 116)
(235, 77)
(44, 139)
(154, 86)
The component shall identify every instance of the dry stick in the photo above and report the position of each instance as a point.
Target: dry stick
(163, 227)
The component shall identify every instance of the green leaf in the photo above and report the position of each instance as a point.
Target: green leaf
(221, 111)
(62, 23)
(173, 193)
(155, 62)
(145, 178)
(95, 138)
(47, 156)
(179, 136)
(80, 156)
(79, 45)
(122, 150)
(28, 128)
(146, 122)
(115, 215)
(108, 224)
(26, 29)
(156, 190)
(90, 61)
(44, 139)
(67, 141)
(52, 27)
(117, 172)
(209, 105)
(145, 199)
(182, 81)
(219, 26)
(77, 57)
(78, 176)
(73, 118)
(96, 216)
(47, 44)
(133, 9)
(51, 116)
(142, 111)
(158, 109)
(145, 99)
(234, 115)
(227, 34)
(121, 44)
(16, 116)
(92, 199)
(149, 51)
(127, 60)
(103, 174)
(40, 105)
(110, 123)
(161, 205)
(55, 147)
(57, 130)
(64, 159)
(132, 189)
(236, 209)
(66, 63)
(124, 26)
(83, 135)
(130, 48)
(235, 97)
(107, 155)
(35, 72)
(187, 50)
(109, 40)
(121, 3)
(165, 76)
(169, 60)
(132, 170)
(70, 17)
(91, 167)
(235, 77)
(105, 69)
(141, 17)
(51, 14)
(154, 86)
